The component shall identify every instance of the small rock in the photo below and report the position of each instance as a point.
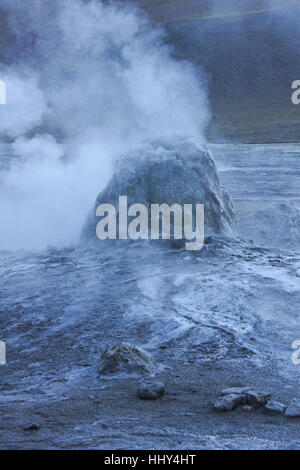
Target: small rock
(234, 396)
(228, 402)
(257, 399)
(247, 408)
(151, 390)
(275, 407)
(293, 410)
(126, 358)
(32, 427)
(235, 390)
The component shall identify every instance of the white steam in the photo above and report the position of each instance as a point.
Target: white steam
(97, 78)
(26, 105)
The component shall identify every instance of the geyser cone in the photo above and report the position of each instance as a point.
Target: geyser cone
(168, 171)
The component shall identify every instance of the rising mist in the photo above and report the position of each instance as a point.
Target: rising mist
(86, 81)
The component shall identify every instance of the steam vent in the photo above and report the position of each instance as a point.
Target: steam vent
(179, 171)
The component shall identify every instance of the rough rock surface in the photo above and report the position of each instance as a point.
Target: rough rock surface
(150, 390)
(247, 408)
(178, 171)
(32, 427)
(235, 390)
(232, 397)
(293, 410)
(275, 407)
(229, 402)
(257, 399)
(125, 358)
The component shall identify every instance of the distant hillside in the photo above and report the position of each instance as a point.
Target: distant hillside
(166, 11)
(251, 56)
(2, 35)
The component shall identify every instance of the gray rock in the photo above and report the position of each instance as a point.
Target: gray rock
(293, 410)
(32, 427)
(150, 390)
(235, 390)
(229, 402)
(234, 396)
(248, 408)
(177, 170)
(275, 407)
(125, 358)
(257, 399)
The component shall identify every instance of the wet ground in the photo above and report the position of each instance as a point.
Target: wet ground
(225, 316)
